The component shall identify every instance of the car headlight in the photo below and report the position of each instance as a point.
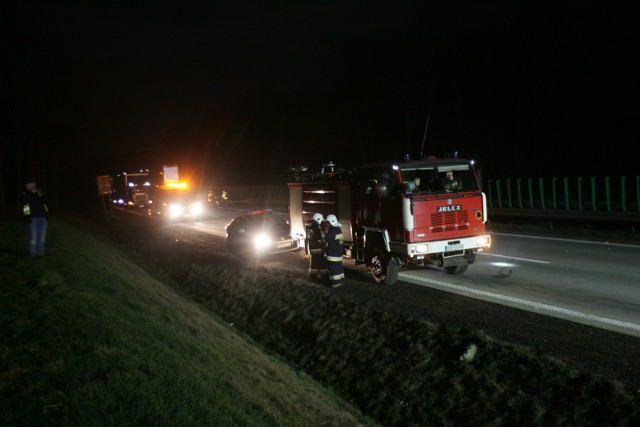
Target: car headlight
(197, 208)
(175, 210)
(261, 241)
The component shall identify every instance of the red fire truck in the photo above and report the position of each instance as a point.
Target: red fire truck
(398, 214)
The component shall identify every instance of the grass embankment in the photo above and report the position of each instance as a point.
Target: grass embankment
(398, 370)
(90, 338)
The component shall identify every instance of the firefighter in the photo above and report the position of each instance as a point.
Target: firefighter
(334, 239)
(318, 270)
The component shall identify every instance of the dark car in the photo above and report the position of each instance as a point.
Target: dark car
(260, 231)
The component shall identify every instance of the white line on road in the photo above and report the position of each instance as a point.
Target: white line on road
(513, 257)
(523, 302)
(562, 239)
(204, 229)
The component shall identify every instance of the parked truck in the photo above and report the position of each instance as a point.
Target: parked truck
(132, 188)
(176, 198)
(398, 215)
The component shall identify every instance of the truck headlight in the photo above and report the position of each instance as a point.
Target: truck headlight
(422, 248)
(175, 210)
(483, 241)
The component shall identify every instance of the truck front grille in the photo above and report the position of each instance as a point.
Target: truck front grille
(449, 221)
(140, 198)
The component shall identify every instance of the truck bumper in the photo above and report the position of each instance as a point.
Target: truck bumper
(446, 248)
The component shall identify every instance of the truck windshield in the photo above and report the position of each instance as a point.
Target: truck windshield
(444, 179)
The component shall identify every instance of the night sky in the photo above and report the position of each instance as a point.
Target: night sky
(236, 92)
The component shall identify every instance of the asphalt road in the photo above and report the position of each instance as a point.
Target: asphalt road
(594, 283)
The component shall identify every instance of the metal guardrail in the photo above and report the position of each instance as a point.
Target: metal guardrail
(600, 199)
(254, 192)
(594, 194)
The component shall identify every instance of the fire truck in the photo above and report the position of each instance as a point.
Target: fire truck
(398, 215)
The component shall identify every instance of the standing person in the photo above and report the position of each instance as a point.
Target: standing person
(35, 212)
(317, 262)
(334, 252)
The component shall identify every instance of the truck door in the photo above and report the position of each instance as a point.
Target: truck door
(380, 202)
(391, 205)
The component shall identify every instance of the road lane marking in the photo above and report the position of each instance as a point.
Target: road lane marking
(564, 239)
(522, 302)
(206, 230)
(514, 257)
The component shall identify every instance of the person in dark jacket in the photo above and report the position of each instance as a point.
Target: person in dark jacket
(35, 213)
(334, 239)
(318, 270)
(450, 183)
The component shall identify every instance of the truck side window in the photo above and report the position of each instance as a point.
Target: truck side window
(371, 187)
(388, 183)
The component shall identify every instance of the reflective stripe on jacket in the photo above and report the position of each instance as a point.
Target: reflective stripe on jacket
(334, 243)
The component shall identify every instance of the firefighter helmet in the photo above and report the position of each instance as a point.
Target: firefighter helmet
(318, 218)
(333, 221)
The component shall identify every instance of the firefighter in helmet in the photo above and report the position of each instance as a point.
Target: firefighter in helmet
(334, 239)
(317, 262)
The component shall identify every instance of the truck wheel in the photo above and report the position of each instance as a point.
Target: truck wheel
(384, 268)
(458, 269)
